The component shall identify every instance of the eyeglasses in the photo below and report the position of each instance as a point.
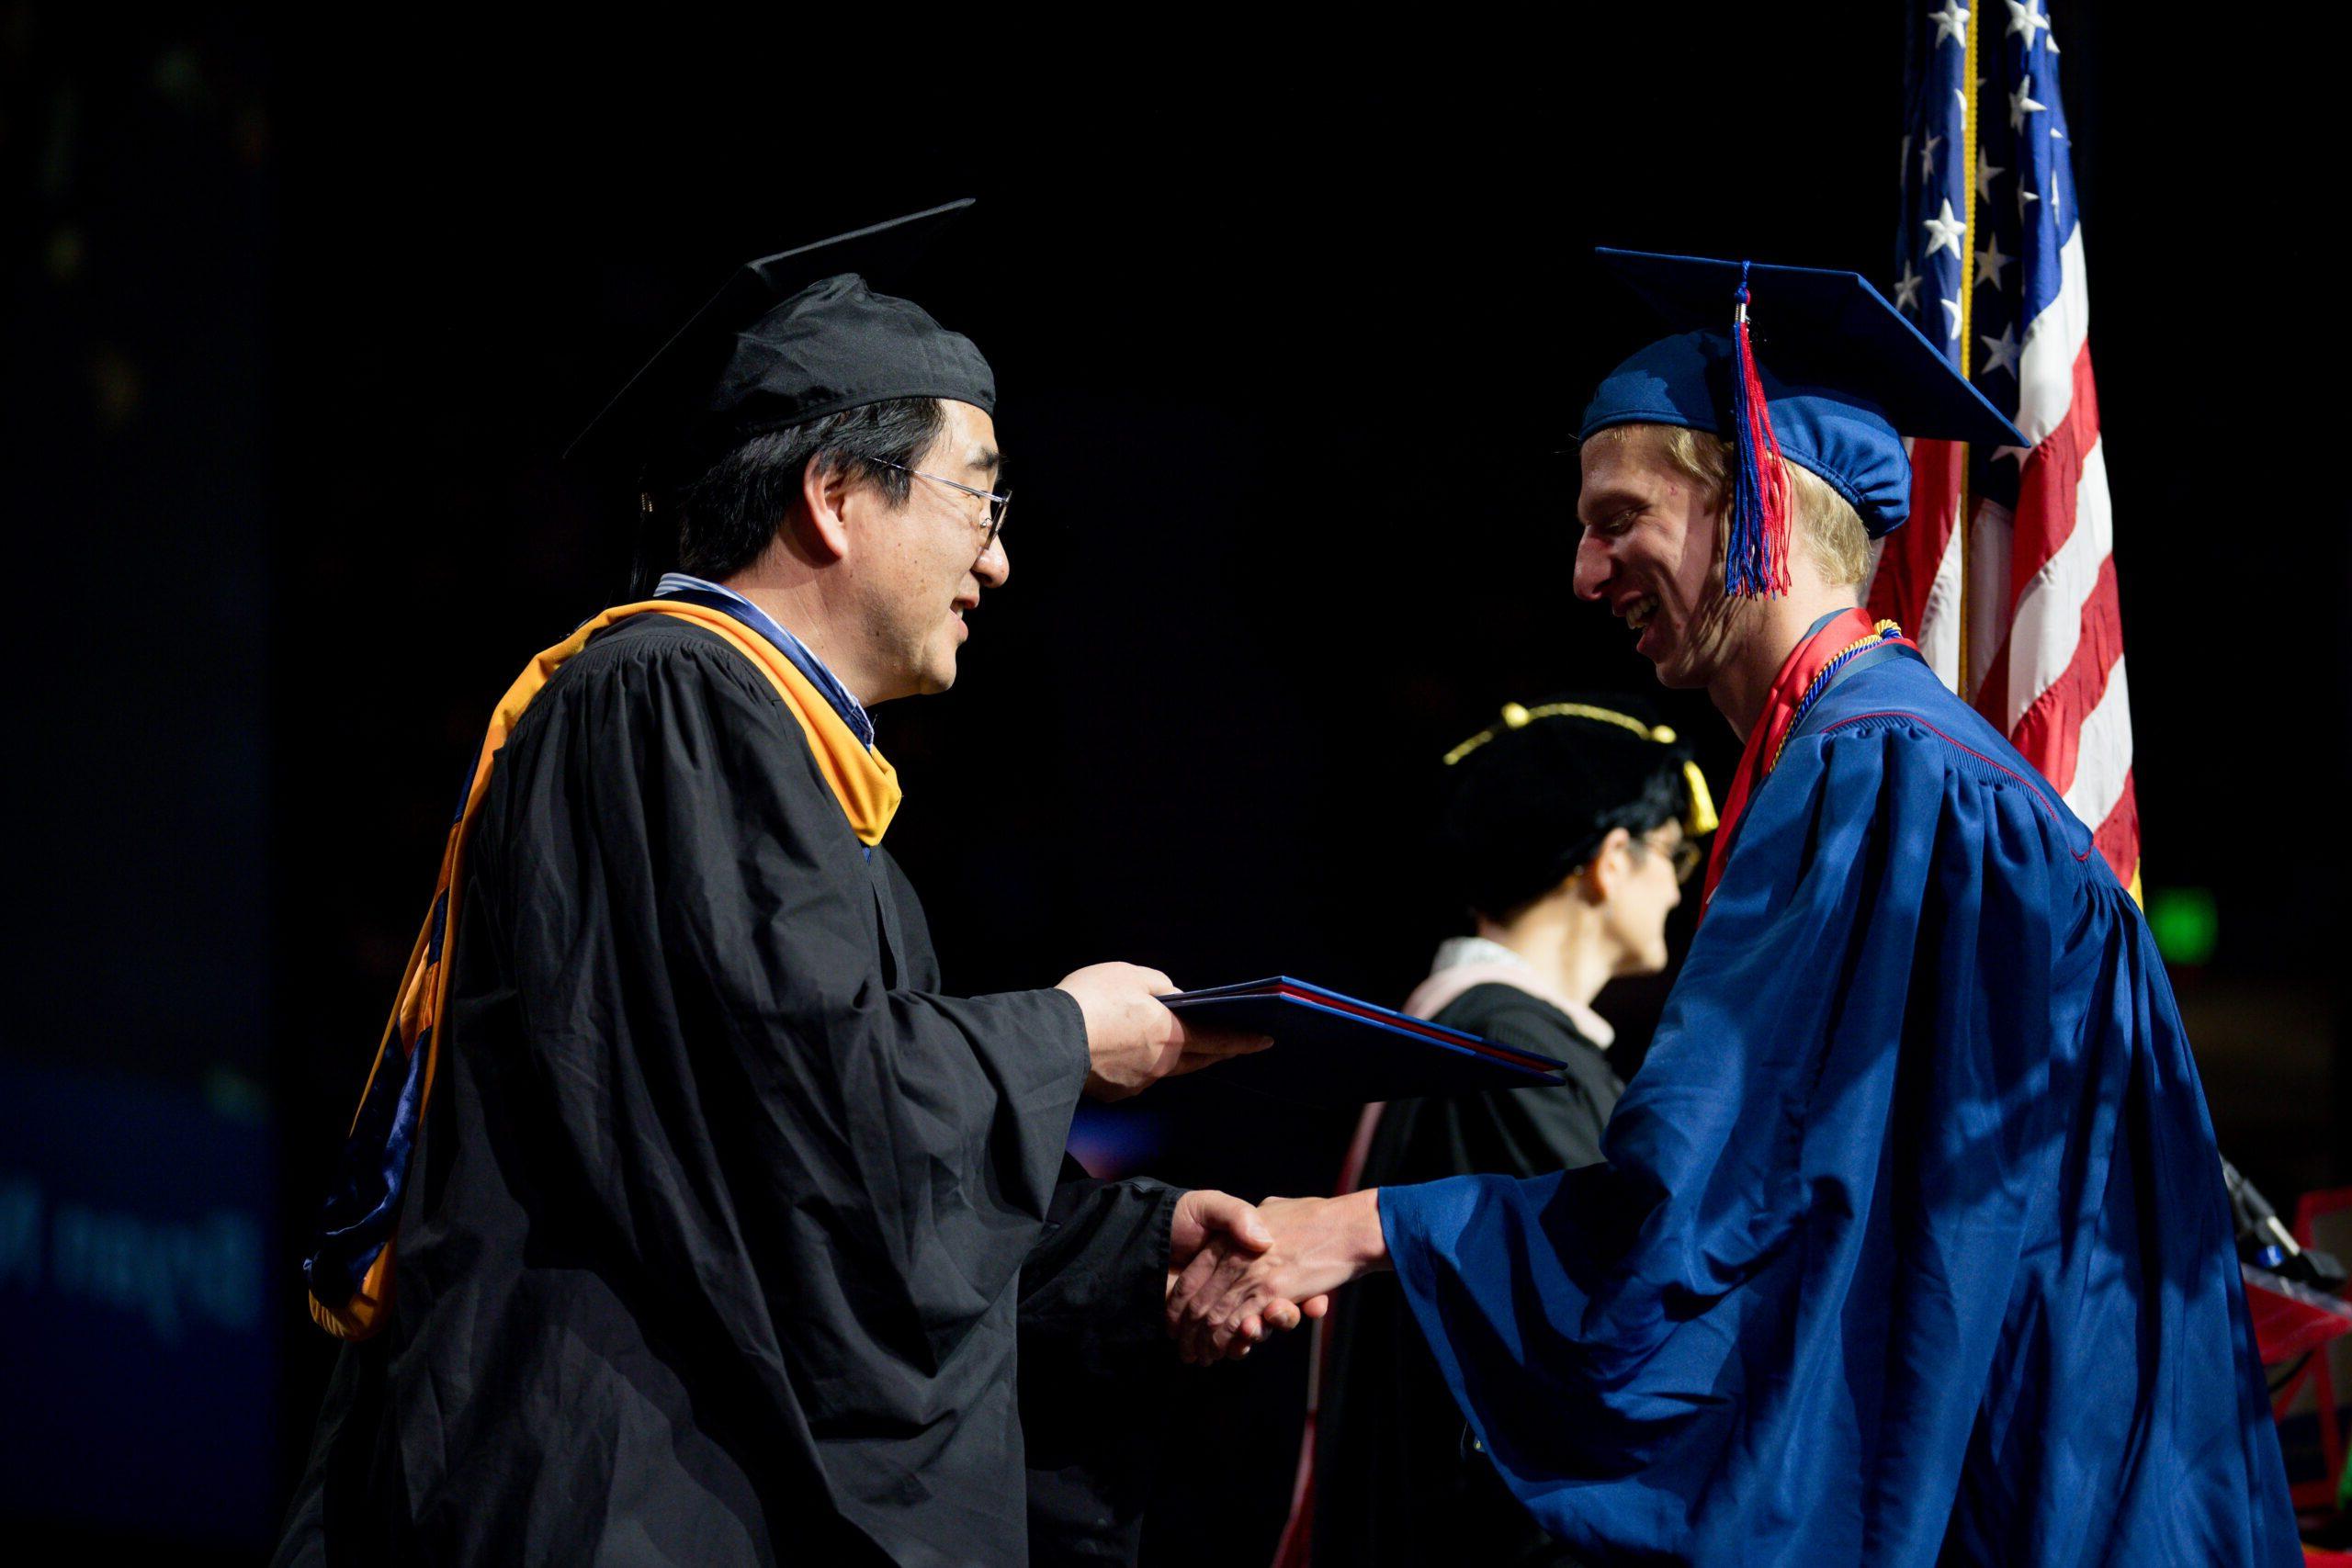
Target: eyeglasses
(1683, 854)
(998, 504)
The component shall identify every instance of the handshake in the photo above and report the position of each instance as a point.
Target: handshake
(1239, 1273)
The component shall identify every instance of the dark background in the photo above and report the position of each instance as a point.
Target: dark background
(1289, 334)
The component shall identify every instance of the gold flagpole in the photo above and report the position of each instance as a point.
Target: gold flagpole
(1967, 681)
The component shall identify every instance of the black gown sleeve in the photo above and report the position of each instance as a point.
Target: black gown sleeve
(1096, 1366)
(1094, 1353)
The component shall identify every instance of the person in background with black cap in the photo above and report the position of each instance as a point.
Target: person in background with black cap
(1568, 831)
(717, 1220)
(1911, 1246)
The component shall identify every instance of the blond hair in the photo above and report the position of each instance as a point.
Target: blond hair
(1841, 547)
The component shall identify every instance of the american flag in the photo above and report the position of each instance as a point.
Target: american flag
(2016, 608)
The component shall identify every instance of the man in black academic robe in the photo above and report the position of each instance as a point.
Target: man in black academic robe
(718, 1229)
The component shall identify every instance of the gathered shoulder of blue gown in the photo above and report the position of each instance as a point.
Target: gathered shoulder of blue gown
(1911, 1244)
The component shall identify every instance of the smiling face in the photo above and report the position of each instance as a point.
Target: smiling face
(919, 565)
(1651, 552)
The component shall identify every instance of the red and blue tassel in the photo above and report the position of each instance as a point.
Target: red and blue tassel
(1756, 560)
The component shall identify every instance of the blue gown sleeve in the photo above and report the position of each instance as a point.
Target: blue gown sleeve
(1918, 1126)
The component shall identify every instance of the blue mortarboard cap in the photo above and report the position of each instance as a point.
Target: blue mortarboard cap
(1845, 377)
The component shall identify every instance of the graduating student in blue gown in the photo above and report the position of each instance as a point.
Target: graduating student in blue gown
(1911, 1244)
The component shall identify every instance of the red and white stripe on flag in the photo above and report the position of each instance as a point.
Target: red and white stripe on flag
(2038, 647)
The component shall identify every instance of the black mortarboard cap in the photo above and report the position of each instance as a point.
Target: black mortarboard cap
(789, 338)
(1533, 795)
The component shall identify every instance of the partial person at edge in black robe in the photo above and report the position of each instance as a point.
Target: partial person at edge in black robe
(1398, 1483)
(723, 1221)
(1533, 803)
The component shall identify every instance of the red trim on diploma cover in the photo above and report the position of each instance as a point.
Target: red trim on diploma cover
(1406, 1023)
